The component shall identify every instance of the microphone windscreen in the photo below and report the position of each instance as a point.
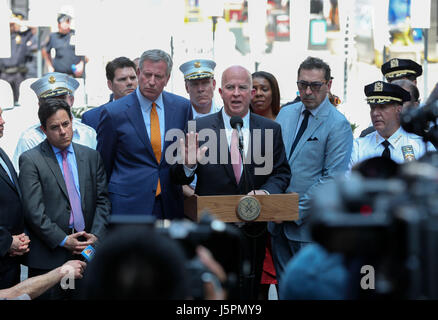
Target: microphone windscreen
(235, 120)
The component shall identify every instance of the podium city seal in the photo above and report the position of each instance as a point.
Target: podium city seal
(248, 208)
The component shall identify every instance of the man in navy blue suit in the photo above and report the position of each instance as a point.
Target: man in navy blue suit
(131, 139)
(121, 80)
(13, 242)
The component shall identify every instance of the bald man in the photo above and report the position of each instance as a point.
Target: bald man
(216, 178)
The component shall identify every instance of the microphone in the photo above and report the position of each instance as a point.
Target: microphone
(88, 253)
(236, 122)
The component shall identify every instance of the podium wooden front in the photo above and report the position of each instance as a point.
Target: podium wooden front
(274, 207)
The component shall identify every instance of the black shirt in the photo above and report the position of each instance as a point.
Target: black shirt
(65, 51)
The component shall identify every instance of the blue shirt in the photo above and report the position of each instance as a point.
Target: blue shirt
(146, 107)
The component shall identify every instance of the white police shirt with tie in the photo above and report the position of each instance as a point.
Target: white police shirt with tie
(403, 147)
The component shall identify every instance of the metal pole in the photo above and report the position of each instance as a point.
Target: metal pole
(214, 19)
(39, 55)
(425, 67)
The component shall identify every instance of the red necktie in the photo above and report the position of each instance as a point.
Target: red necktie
(76, 216)
(236, 159)
(156, 139)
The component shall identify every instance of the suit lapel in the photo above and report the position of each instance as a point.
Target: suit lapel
(135, 116)
(82, 170)
(316, 122)
(5, 176)
(169, 119)
(52, 163)
(289, 136)
(217, 126)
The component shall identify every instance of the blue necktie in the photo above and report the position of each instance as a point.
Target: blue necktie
(300, 131)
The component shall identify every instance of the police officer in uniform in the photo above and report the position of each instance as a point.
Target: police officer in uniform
(63, 44)
(389, 140)
(200, 85)
(396, 69)
(60, 86)
(14, 69)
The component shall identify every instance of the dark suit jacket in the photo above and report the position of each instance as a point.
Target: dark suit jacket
(129, 160)
(11, 213)
(217, 179)
(91, 117)
(47, 206)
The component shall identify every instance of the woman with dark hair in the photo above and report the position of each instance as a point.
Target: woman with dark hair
(266, 103)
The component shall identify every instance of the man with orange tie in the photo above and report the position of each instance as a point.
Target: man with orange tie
(65, 198)
(131, 140)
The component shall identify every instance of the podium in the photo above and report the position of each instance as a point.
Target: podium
(273, 207)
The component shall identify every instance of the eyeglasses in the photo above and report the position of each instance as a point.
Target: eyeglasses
(314, 86)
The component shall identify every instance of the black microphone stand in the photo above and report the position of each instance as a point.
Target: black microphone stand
(245, 172)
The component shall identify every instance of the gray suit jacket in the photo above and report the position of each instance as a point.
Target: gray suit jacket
(47, 206)
(322, 152)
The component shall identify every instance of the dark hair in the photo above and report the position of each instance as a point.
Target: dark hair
(134, 262)
(275, 104)
(315, 63)
(118, 63)
(48, 107)
(409, 86)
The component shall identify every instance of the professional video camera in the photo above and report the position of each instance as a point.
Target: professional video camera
(390, 224)
(223, 240)
(422, 121)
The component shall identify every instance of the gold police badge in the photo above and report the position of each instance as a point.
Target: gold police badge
(378, 87)
(52, 79)
(197, 64)
(248, 208)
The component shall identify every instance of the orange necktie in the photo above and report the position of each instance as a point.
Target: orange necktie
(156, 139)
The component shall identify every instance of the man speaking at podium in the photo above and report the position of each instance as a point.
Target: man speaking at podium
(218, 177)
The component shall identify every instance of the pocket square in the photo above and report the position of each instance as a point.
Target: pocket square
(312, 139)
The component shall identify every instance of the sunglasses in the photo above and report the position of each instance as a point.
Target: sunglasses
(314, 86)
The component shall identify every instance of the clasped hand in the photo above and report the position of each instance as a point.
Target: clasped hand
(73, 244)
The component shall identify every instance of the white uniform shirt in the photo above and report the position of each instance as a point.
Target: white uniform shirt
(214, 108)
(33, 136)
(403, 146)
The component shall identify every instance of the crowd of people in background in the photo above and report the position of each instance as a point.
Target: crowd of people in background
(69, 177)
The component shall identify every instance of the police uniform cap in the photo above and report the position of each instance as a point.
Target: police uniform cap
(54, 84)
(380, 92)
(198, 69)
(16, 17)
(400, 68)
(63, 17)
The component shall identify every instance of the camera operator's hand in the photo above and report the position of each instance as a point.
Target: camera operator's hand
(212, 290)
(73, 244)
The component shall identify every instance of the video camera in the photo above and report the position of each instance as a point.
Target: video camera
(223, 241)
(419, 121)
(390, 224)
